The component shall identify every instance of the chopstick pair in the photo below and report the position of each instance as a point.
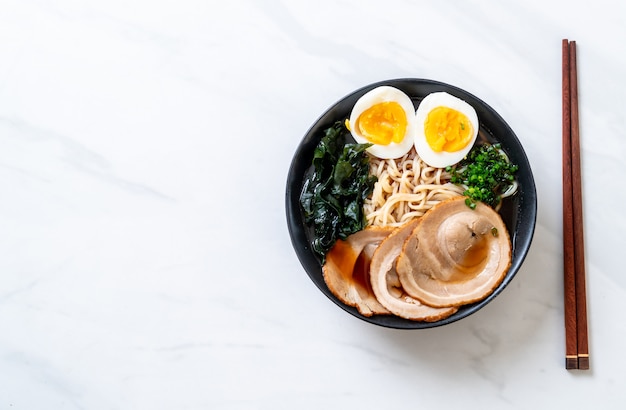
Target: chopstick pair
(575, 308)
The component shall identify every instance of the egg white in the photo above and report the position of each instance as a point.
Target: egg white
(426, 153)
(376, 96)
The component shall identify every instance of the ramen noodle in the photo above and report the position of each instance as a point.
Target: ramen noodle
(406, 189)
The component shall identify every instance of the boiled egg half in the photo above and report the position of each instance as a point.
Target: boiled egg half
(384, 117)
(446, 129)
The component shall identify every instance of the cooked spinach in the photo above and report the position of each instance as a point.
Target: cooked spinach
(332, 196)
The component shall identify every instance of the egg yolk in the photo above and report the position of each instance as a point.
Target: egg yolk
(447, 130)
(383, 123)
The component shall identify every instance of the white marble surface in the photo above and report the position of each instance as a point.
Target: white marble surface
(145, 261)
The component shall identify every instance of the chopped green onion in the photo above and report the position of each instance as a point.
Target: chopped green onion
(486, 174)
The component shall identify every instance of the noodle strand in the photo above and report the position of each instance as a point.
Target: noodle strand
(406, 189)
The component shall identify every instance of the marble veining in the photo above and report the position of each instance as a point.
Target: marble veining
(145, 259)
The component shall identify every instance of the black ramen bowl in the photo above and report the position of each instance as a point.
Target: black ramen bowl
(518, 212)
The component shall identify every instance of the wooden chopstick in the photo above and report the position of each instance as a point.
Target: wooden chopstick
(579, 246)
(575, 304)
(569, 280)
